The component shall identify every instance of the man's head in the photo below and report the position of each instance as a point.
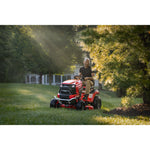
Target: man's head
(86, 62)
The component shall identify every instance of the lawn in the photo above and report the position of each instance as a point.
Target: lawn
(24, 104)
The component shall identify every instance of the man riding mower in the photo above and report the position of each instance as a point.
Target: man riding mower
(78, 93)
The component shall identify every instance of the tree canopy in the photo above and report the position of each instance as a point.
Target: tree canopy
(121, 55)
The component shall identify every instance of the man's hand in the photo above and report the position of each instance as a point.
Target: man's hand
(77, 77)
(88, 78)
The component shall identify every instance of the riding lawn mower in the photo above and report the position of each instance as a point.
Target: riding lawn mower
(71, 95)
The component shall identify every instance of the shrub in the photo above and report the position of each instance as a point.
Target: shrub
(126, 101)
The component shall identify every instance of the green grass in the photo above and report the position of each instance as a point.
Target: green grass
(24, 104)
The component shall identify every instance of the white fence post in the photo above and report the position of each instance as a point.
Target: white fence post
(36, 79)
(29, 79)
(46, 78)
(42, 79)
(61, 79)
(53, 80)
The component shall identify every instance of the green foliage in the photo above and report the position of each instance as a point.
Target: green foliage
(121, 55)
(126, 101)
(134, 91)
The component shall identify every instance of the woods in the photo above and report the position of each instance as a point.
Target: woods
(36, 49)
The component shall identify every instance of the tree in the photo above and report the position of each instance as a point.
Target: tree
(122, 55)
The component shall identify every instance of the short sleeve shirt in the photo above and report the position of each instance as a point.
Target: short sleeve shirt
(86, 72)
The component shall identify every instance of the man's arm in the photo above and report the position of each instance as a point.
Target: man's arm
(89, 78)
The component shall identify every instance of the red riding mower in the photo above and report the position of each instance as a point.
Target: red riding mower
(71, 94)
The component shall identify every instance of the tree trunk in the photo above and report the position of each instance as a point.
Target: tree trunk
(40, 78)
(146, 96)
(121, 92)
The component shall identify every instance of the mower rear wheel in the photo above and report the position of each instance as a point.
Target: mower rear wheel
(80, 105)
(97, 102)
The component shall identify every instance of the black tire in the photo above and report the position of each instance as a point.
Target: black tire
(80, 105)
(53, 103)
(97, 103)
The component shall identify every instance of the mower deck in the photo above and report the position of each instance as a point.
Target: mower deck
(90, 107)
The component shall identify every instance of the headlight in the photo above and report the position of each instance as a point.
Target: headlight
(73, 85)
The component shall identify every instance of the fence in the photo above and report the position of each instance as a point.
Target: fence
(53, 80)
(56, 79)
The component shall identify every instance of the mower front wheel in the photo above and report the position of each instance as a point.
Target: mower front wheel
(97, 102)
(54, 103)
(80, 105)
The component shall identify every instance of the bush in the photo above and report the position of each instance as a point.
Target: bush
(126, 101)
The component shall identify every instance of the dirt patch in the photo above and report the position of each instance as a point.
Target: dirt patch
(135, 110)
